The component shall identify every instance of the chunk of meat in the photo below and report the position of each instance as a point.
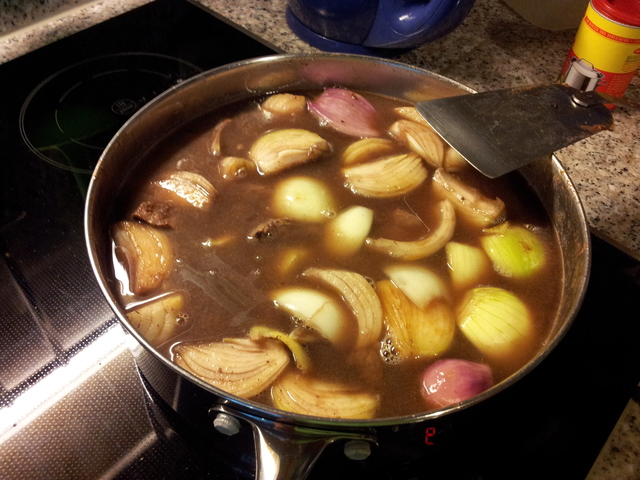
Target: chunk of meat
(406, 219)
(269, 229)
(157, 214)
(368, 361)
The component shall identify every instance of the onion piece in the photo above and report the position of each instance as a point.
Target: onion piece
(468, 201)
(361, 298)
(421, 139)
(418, 283)
(158, 320)
(411, 113)
(297, 393)
(191, 188)
(303, 198)
(235, 167)
(284, 104)
(346, 111)
(424, 247)
(468, 265)
(453, 161)
(147, 252)
(387, 177)
(514, 250)
(368, 149)
(452, 381)
(434, 335)
(300, 355)
(396, 308)
(315, 309)
(282, 149)
(346, 233)
(496, 321)
(240, 366)
(415, 332)
(291, 259)
(305, 335)
(216, 136)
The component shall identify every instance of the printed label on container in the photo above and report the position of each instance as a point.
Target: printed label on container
(604, 56)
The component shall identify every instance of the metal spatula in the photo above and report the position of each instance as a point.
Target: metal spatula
(502, 130)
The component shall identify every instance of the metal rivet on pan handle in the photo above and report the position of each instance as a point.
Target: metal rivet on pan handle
(357, 449)
(226, 424)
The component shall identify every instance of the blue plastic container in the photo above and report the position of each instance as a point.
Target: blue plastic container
(375, 27)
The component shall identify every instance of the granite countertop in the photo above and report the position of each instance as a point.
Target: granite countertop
(494, 48)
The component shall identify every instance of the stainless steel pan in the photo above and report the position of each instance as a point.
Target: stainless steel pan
(288, 444)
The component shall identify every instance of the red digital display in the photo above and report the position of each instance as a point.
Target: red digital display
(429, 434)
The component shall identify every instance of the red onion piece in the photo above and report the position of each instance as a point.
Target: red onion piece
(346, 111)
(451, 381)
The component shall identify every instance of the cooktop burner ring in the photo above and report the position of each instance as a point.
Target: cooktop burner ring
(68, 119)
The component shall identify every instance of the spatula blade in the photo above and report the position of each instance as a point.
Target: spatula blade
(502, 130)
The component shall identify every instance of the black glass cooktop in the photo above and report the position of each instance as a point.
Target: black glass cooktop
(72, 404)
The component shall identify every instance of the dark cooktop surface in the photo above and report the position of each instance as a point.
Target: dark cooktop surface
(72, 404)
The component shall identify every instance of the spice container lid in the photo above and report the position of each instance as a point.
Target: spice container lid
(626, 12)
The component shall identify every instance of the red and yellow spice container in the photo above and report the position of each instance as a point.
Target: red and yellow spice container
(606, 52)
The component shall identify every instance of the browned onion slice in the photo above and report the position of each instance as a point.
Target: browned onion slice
(298, 393)
(240, 366)
(361, 298)
(413, 250)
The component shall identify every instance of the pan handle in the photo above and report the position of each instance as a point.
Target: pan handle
(286, 452)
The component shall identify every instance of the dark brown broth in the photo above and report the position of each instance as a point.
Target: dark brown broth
(227, 286)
